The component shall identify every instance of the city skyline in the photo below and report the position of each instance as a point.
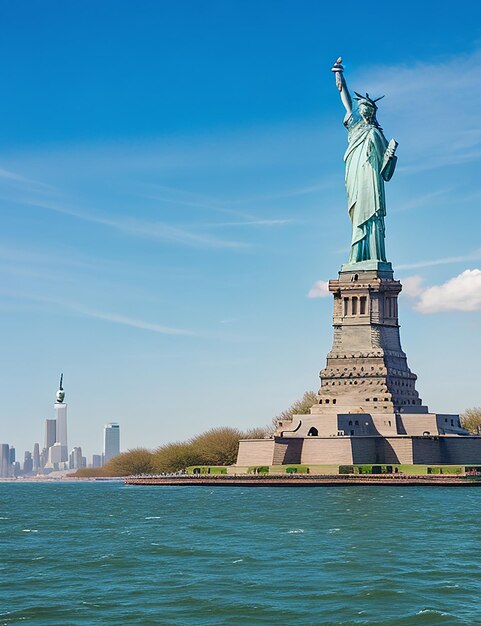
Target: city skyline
(56, 455)
(169, 210)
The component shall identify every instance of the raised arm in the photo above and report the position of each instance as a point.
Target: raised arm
(338, 69)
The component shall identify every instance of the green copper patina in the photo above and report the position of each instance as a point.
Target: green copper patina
(370, 161)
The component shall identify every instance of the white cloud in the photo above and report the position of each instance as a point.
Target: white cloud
(462, 293)
(412, 286)
(320, 289)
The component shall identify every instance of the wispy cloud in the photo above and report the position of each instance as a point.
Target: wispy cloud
(56, 259)
(129, 321)
(228, 206)
(192, 201)
(158, 230)
(422, 200)
(433, 107)
(18, 178)
(291, 193)
(473, 256)
(157, 159)
(260, 222)
(107, 316)
(166, 232)
(140, 228)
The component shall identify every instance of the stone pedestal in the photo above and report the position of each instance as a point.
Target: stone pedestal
(367, 388)
(368, 408)
(366, 368)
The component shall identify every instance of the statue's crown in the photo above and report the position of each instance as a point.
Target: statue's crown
(367, 99)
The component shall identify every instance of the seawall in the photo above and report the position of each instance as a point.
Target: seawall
(394, 480)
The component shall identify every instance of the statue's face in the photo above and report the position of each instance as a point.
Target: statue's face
(366, 111)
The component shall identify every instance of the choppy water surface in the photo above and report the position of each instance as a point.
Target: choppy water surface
(110, 554)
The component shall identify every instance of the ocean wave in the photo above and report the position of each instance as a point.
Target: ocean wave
(432, 612)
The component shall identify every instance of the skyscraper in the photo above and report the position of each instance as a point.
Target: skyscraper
(4, 460)
(96, 460)
(50, 433)
(61, 416)
(27, 463)
(75, 460)
(44, 458)
(36, 457)
(111, 441)
(54, 457)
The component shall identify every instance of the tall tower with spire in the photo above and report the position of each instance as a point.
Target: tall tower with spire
(61, 417)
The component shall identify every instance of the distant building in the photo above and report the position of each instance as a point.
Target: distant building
(4, 460)
(36, 457)
(43, 458)
(27, 463)
(96, 460)
(75, 459)
(11, 456)
(111, 441)
(54, 457)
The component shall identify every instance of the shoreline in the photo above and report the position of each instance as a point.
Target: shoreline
(394, 480)
(62, 479)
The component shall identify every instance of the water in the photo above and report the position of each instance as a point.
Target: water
(93, 553)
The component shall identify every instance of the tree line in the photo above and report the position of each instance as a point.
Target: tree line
(217, 446)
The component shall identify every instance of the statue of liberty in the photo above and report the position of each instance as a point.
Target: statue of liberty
(370, 161)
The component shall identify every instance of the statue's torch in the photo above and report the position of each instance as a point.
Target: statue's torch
(338, 68)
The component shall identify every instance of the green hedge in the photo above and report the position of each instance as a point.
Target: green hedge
(258, 469)
(367, 469)
(206, 469)
(297, 469)
(446, 469)
(404, 469)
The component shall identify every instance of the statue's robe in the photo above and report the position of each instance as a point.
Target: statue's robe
(366, 172)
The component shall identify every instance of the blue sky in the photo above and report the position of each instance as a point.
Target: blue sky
(171, 185)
